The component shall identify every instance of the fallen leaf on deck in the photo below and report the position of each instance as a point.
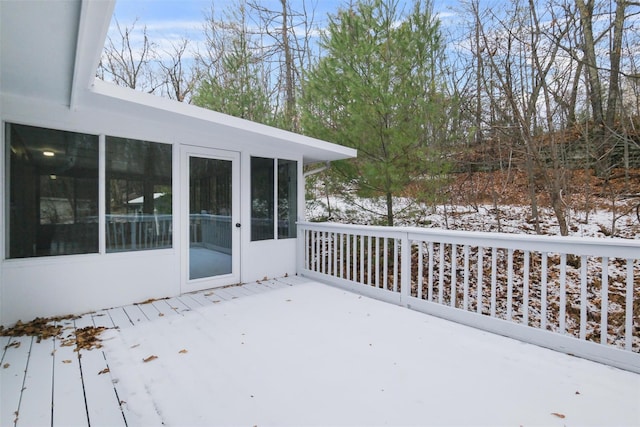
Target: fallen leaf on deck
(88, 338)
(6, 365)
(15, 344)
(558, 415)
(160, 314)
(183, 351)
(104, 371)
(66, 361)
(150, 358)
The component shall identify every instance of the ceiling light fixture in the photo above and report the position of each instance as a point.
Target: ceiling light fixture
(48, 153)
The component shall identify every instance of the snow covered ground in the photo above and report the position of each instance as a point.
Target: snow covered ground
(503, 218)
(315, 355)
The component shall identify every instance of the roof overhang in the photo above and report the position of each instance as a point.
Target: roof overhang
(50, 51)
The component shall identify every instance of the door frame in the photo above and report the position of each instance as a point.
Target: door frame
(189, 285)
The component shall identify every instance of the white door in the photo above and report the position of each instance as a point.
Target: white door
(211, 230)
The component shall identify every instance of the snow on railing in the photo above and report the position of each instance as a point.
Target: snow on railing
(576, 295)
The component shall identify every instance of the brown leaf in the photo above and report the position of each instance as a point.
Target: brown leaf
(6, 365)
(160, 314)
(66, 361)
(558, 415)
(104, 371)
(150, 358)
(183, 351)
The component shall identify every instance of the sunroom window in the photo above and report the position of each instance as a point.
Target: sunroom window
(273, 197)
(138, 193)
(52, 181)
(287, 198)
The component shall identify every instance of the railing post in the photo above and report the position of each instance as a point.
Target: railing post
(405, 270)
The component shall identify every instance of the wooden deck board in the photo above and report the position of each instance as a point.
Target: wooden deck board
(177, 305)
(199, 300)
(119, 317)
(68, 393)
(257, 288)
(103, 407)
(149, 310)
(212, 296)
(135, 314)
(63, 387)
(38, 385)
(12, 376)
(273, 284)
(292, 280)
(4, 341)
(224, 294)
(102, 319)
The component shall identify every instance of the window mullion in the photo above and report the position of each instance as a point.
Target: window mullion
(102, 189)
(276, 213)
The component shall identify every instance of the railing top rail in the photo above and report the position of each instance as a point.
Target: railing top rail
(609, 247)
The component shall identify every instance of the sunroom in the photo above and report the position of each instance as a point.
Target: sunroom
(112, 196)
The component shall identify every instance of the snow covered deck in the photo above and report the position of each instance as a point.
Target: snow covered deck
(297, 352)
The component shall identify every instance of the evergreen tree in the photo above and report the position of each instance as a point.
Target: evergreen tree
(377, 89)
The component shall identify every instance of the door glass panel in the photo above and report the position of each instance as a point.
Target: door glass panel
(210, 227)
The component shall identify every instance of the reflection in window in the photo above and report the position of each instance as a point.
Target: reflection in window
(210, 228)
(53, 192)
(287, 198)
(263, 180)
(262, 198)
(138, 194)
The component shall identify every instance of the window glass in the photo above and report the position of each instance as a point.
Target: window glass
(262, 198)
(287, 198)
(52, 181)
(138, 195)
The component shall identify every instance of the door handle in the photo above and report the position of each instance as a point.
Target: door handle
(237, 225)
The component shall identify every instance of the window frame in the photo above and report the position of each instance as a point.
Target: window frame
(5, 202)
(276, 229)
(92, 248)
(159, 226)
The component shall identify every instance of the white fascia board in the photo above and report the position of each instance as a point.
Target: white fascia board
(95, 18)
(115, 98)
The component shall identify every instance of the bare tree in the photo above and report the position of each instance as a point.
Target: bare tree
(128, 62)
(179, 74)
(286, 35)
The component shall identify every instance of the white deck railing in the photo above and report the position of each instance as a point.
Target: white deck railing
(126, 232)
(576, 295)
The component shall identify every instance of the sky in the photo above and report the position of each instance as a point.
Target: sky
(172, 20)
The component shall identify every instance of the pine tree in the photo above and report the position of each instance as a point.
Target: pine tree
(376, 89)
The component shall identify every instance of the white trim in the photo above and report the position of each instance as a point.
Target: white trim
(102, 194)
